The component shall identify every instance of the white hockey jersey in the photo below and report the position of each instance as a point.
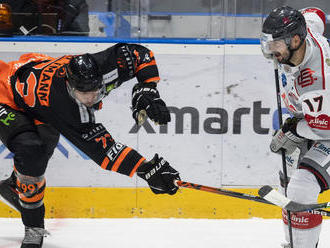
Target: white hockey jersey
(305, 88)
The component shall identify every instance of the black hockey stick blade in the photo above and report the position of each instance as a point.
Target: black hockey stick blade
(275, 197)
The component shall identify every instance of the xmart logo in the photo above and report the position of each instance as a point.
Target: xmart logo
(217, 121)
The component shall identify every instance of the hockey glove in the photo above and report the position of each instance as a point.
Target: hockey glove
(146, 97)
(287, 138)
(159, 175)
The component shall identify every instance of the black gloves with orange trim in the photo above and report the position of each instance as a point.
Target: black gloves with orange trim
(159, 175)
(145, 97)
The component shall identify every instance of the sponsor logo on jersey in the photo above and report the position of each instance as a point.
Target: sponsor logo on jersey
(321, 148)
(289, 160)
(146, 58)
(305, 78)
(110, 76)
(9, 116)
(114, 150)
(94, 132)
(302, 220)
(104, 140)
(296, 219)
(318, 122)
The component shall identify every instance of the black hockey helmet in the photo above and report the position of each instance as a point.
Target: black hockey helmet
(83, 73)
(284, 22)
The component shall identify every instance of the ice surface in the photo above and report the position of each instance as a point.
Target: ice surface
(156, 233)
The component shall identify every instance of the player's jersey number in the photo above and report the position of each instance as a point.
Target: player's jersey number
(315, 105)
(26, 89)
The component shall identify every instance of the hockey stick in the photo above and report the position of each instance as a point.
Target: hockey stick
(273, 196)
(235, 194)
(220, 191)
(280, 120)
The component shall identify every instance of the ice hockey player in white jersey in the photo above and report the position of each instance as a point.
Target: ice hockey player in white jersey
(294, 39)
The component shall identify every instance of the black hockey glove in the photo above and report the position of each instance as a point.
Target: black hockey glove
(146, 97)
(159, 175)
(287, 138)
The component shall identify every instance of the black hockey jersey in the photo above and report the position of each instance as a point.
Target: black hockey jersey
(38, 86)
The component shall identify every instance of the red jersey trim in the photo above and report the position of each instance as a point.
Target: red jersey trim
(322, 59)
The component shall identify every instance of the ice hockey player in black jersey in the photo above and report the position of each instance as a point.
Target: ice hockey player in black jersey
(42, 97)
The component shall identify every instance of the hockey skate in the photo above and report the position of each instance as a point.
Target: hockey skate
(34, 237)
(8, 193)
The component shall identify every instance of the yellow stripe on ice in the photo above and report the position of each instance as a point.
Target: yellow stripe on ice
(131, 202)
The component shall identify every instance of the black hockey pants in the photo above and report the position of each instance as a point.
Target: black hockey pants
(32, 145)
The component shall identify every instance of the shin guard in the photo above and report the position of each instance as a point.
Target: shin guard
(31, 193)
(304, 188)
(306, 229)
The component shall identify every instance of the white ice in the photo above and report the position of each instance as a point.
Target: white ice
(156, 233)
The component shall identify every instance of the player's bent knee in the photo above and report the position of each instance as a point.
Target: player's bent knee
(31, 190)
(30, 155)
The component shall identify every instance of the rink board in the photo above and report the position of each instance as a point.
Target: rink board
(223, 112)
(140, 202)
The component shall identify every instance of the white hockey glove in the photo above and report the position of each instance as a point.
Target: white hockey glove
(287, 138)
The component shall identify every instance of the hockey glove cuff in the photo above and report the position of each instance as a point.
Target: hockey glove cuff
(159, 175)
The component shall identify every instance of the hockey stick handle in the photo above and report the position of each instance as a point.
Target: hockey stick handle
(235, 194)
(142, 117)
(280, 121)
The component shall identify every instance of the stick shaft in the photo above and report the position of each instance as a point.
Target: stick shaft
(235, 194)
(221, 191)
(280, 120)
